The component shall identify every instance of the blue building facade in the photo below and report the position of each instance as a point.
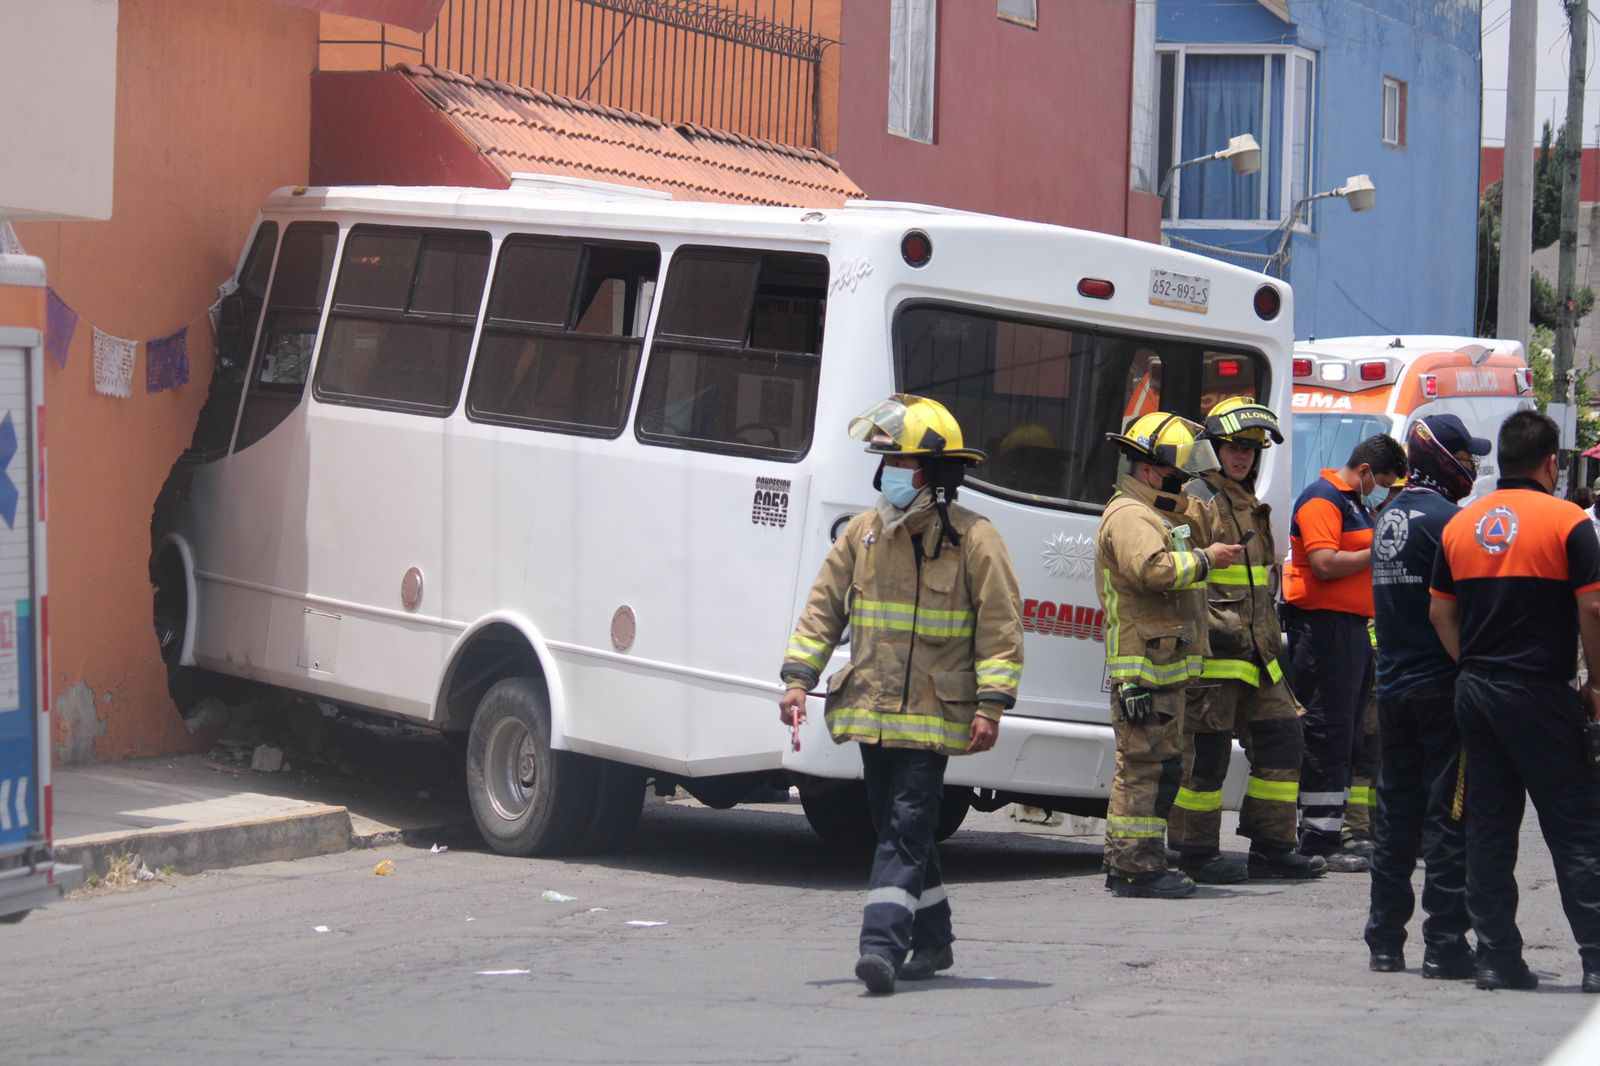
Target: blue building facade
(1329, 89)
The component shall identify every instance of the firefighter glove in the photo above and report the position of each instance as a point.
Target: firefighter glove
(1136, 703)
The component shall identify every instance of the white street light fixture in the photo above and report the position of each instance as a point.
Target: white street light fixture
(1357, 191)
(1242, 153)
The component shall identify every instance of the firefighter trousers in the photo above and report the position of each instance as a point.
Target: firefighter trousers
(1522, 735)
(1418, 783)
(1267, 723)
(1149, 767)
(906, 902)
(1362, 805)
(1332, 657)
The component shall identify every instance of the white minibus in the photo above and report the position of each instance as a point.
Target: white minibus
(551, 469)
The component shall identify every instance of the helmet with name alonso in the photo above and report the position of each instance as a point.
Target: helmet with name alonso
(1241, 420)
(1168, 440)
(913, 426)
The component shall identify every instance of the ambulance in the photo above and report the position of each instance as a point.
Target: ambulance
(1348, 388)
(551, 469)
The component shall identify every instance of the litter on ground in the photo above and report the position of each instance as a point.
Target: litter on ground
(556, 897)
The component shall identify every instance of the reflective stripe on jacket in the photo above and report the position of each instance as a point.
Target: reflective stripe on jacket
(1241, 608)
(1152, 585)
(928, 651)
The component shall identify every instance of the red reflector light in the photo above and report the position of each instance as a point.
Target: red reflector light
(1096, 288)
(1227, 368)
(1430, 385)
(1268, 303)
(1302, 368)
(1374, 371)
(916, 248)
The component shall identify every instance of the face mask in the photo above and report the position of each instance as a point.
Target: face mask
(898, 487)
(1375, 498)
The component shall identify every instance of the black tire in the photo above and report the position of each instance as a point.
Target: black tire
(13, 918)
(840, 815)
(953, 808)
(526, 798)
(619, 798)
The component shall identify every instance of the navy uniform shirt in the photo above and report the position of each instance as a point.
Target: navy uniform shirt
(1403, 549)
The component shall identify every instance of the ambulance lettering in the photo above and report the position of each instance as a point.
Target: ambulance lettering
(1063, 620)
(1321, 401)
(1477, 381)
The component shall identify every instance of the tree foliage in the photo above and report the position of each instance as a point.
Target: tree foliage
(1541, 361)
(1543, 308)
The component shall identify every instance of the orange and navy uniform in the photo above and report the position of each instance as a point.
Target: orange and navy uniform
(1516, 561)
(1328, 515)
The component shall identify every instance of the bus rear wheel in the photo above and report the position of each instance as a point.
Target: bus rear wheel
(527, 798)
(619, 799)
(841, 817)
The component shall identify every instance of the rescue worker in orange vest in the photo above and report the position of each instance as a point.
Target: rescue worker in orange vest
(1241, 689)
(935, 618)
(1152, 586)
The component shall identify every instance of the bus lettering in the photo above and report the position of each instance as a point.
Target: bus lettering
(1063, 620)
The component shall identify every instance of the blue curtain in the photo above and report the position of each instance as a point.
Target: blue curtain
(1221, 99)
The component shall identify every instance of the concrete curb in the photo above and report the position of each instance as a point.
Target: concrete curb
(191, 849)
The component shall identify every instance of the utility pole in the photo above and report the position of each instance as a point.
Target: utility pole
(1516, 202)
(1563, 377)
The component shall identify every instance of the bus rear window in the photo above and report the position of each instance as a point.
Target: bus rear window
(736, 356)
(1039, 397)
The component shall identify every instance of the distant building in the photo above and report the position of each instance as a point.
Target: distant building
(1329, 89)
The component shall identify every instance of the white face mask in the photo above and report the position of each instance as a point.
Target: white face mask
(899, 486)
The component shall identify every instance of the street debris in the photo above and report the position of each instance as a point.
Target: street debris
(556, 897)
(267, 759)
(437, 848)
(598, 910)
(503, 973)
(320, 929)
(384, 868)
(646, 925)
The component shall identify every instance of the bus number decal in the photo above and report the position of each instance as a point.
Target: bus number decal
(771, 506)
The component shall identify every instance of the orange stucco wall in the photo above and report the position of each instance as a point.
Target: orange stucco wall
(213, 111)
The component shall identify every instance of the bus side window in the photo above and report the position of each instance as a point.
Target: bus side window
(402, 319)
(561, 343)
(294, 307)
(242, 308)
(736, 356)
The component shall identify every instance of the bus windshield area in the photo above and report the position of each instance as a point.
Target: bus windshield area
(1039, 397)
(1324, 442)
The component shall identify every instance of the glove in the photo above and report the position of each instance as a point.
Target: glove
(1136, 703)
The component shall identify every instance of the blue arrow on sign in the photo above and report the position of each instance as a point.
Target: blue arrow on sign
(8, 488)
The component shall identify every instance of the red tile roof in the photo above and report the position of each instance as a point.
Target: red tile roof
(520, 129)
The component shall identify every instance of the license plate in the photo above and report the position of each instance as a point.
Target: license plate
(1186, 292)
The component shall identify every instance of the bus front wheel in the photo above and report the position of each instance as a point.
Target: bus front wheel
(527, 798)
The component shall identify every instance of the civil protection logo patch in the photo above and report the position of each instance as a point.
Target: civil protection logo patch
(1496, 529)
(1393, 529)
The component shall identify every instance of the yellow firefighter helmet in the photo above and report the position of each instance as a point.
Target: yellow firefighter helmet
(912, 425)
(1241, 420)
(1169, 440)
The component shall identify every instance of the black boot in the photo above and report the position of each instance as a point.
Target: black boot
(1285, 864)
(1513, 975)
(1449, 966)
(1389, 960)
(1213, 869)
(1163, 885)
(877, 973)
(925, 962)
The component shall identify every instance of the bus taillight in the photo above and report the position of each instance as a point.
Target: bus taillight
(1227, 368)
(916, 248)
(1302, 368)
(1096, 288)
(1430, 385)
(1268, 303)
(1374, 371)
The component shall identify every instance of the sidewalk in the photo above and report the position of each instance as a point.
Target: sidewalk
(195, 812)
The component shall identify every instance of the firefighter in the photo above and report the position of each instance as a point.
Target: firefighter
(1241, 691)
(1152, 586)
(935, 617)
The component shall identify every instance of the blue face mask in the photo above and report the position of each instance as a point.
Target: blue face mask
(897, 486)
(1375, 498)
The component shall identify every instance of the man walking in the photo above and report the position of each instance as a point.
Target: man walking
(1152, 586)
(1420, 771)
(935, 616)
(1241, 691)
(1327, 586)
(1516, 580)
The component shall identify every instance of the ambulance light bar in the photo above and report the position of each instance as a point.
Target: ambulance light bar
(1302, 368)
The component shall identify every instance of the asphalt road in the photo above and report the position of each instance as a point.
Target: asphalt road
(752, 965)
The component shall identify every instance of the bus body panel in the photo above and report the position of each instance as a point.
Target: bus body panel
(712, 555)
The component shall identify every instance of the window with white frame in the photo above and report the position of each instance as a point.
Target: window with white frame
(1208, 95)
(1022, 12)
(1394, 112)
(912, 47)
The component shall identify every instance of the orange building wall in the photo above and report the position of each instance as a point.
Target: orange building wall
(213, 111)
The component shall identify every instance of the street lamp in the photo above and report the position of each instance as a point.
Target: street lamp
(1243, 153)
(1357, 191)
